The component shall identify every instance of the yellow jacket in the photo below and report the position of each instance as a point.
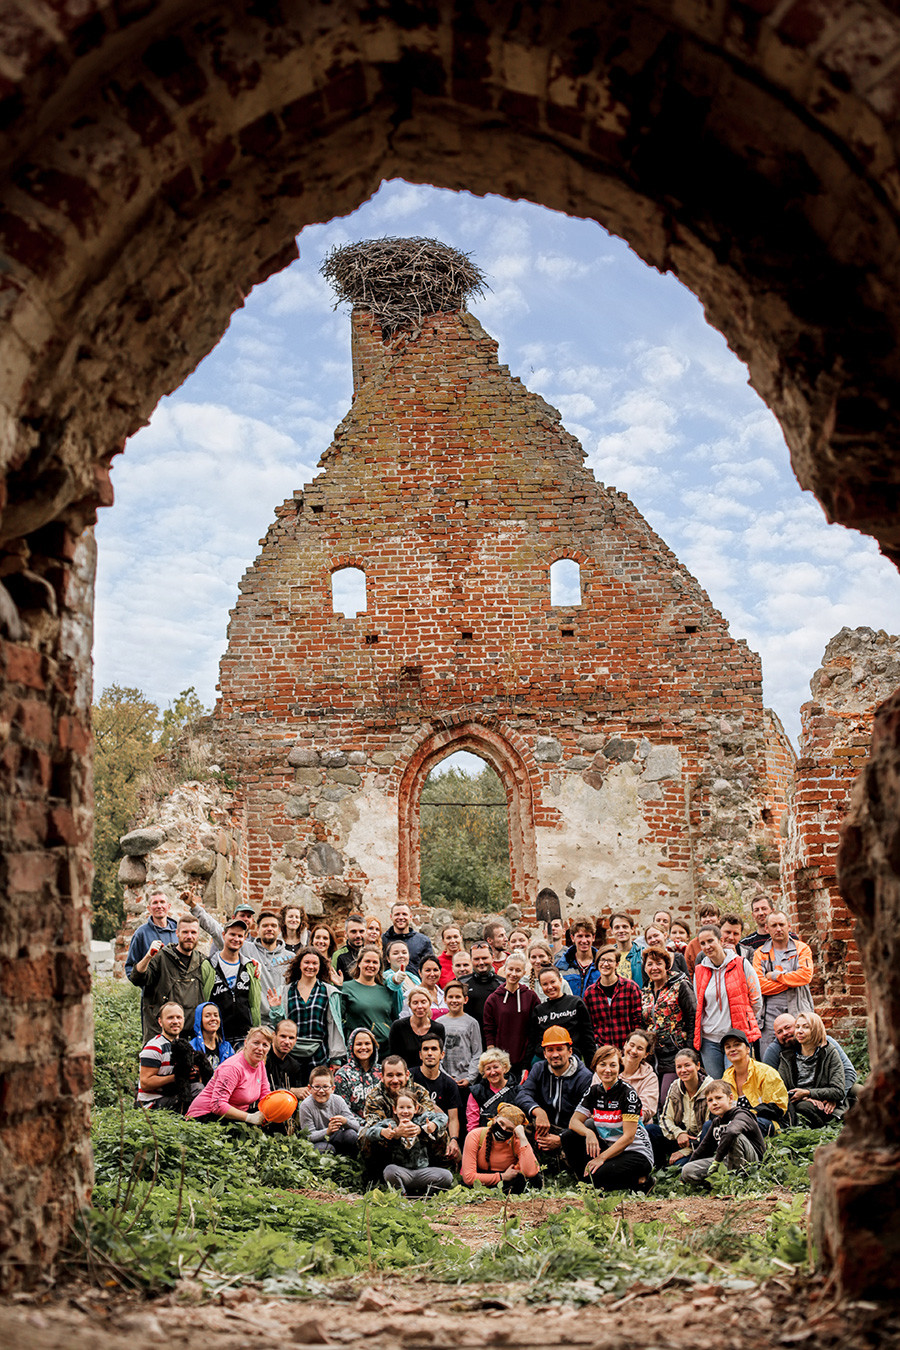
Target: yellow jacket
(764, 1084)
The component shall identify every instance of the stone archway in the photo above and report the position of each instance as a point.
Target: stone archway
(498, 749)
(158, 161)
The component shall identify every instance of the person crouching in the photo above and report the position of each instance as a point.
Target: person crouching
(326, 1117)
(500, 1154)
(734, 1137)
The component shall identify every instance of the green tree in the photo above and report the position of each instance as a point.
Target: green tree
(129, 734)
(464, 841)
(125, 725)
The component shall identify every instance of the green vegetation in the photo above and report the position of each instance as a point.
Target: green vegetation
(465, 846)
(222, 1203)
(130, 734)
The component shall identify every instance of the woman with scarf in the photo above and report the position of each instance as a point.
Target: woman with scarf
(507, 1014)
(490, 1088)
(669, 1006)
(356, 1079)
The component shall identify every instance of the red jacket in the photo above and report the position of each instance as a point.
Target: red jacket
(737, 994)
(446, 964)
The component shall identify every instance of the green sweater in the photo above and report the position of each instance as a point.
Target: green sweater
(367, 1005)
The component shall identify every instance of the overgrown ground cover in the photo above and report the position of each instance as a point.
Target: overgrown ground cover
(177, 1202)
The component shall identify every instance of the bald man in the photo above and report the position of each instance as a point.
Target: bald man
(784, 967)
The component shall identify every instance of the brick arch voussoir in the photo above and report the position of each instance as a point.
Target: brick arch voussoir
(179, 132)
(503, 749)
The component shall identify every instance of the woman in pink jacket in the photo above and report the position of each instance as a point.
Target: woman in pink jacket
(237, 1084)
(500, 1154)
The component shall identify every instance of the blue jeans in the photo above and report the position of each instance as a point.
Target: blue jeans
(713, 1057)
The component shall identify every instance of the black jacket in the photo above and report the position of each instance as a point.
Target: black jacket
(480, 988)
(723, 1132)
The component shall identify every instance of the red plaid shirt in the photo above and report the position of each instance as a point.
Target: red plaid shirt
(613, 1020)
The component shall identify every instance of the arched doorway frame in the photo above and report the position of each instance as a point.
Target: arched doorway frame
(509, 760)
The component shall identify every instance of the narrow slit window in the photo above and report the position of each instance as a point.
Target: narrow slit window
(348, 591)
(565, 582)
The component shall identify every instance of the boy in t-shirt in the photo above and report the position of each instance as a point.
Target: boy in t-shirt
(462, 1037)
(156, 1087)
(734, 1136)
(326, 1117)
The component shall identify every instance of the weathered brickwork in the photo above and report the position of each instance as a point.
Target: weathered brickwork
(159, 158)
(860, 669)
(627, 729)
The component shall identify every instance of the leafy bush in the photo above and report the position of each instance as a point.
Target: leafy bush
(117, 1041)
(857, 1051)
(174, 1196)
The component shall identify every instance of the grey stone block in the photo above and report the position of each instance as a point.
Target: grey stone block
(201, 864)
(662, 762)
(138, 842)
(301, 757)
(324, 861)
(547, 750)
(132, 871)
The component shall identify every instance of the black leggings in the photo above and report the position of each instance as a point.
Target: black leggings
(621, 1173)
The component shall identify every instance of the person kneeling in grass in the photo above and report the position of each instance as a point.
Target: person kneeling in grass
(734, 1137)
(326, 1117)
(500, 1154)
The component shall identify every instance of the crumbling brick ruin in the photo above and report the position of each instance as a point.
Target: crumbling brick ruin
(627, 729)
(859, 671)
(158, 160)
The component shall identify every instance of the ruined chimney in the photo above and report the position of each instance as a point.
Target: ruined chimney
(393, 284)
(367, 347)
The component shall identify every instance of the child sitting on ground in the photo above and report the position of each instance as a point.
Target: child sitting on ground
(733, 1137)
(326, 1117)
(406, 1137)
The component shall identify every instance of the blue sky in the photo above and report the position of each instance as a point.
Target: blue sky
(661, 406)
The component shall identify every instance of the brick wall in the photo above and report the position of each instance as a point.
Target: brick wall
(628, 730)
(860, 669)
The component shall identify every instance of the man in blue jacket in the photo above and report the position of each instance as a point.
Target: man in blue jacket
(158, 928)
(550, 1094)
(577, 961)
(401, 930)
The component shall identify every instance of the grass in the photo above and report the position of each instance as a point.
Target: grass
(176, 1200)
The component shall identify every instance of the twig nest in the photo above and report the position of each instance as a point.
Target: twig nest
(400, 281)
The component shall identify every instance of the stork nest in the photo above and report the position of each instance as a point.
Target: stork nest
(400, 281)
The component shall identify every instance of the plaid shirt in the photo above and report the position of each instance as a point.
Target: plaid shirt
(613, 1020)
(311, 1017)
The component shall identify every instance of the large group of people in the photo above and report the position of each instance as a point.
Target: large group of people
(556, 1053)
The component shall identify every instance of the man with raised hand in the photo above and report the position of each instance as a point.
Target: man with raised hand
(233, 984)
(171, 975)
(267, 949)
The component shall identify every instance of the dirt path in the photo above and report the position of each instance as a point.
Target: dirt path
(412, 1311)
